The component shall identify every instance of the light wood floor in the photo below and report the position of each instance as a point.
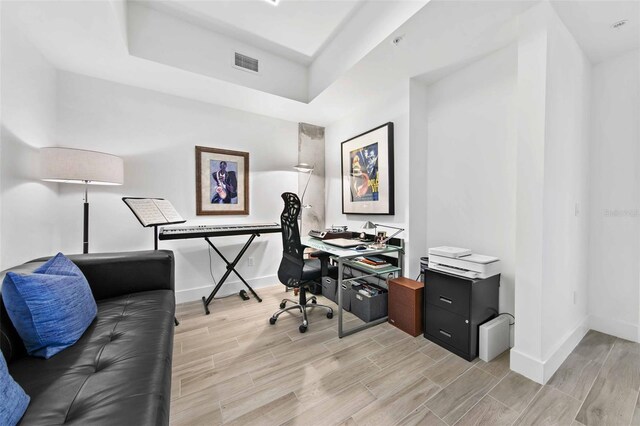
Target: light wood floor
(232, 367)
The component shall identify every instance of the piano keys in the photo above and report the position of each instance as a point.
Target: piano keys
(202, 231)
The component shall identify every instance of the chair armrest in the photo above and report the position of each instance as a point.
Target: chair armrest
(117, 274)
(323, 256)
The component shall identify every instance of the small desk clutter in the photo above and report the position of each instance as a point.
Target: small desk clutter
(364, 268)
(460, 294)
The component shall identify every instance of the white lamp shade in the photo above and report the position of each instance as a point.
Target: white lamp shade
(70, 165)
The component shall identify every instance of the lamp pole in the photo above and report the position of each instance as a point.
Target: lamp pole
(85, 233)
(304, 168)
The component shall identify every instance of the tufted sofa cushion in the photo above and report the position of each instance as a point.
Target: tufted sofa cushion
(119, 372)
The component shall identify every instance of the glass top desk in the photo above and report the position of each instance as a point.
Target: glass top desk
(345, 257)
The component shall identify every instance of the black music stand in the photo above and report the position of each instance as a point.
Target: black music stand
(153, 212)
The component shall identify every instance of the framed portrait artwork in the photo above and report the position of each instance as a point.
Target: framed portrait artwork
(222, 181)
(367, 172)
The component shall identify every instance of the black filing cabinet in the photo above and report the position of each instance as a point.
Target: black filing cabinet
(455, 307)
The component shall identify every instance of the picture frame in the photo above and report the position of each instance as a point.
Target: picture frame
(367, 172)
(222, 182)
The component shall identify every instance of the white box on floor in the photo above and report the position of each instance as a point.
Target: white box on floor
(494, 338)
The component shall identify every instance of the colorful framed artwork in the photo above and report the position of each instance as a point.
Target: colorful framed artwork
(222, 181)
(367, 172)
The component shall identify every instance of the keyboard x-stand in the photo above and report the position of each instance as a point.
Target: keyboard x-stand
(208, 231)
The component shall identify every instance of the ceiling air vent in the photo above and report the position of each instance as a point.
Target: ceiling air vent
(246, 62)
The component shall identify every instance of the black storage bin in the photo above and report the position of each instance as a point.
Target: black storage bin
(329, 287)
(330, 291)
(346, 296)
(369, 308)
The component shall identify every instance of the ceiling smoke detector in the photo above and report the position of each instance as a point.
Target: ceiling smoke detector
(619, 24)
(273, 2)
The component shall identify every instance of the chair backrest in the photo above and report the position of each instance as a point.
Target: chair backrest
(290, 270)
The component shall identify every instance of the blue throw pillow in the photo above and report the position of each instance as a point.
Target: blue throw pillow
(51, 307)
(13, 400)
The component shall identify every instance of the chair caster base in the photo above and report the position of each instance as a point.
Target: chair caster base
(282, 305)
(329, 315)
(272, 320)
(302, 328)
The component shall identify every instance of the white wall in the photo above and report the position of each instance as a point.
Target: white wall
(161, 37)
(396, 110)
(156, 134)
(614, 265)
(471, 139)
(418, 135)
(565, 233)
(28, 91)
(552, 161)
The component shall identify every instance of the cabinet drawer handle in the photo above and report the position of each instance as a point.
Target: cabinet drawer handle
(445, 300)
(445, 333)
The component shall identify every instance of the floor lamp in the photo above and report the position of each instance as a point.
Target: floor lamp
(304, 168)
(69, 165)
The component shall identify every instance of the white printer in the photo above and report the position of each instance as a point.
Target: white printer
(463, 262)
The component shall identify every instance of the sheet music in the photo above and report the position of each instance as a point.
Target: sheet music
(168, 211)
(153, 212)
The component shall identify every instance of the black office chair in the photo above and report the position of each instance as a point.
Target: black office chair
(294, 270)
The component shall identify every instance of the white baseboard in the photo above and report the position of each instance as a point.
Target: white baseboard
(229, 287)
(622, 329)
(562, 349)
(541, 370)
(530, 367)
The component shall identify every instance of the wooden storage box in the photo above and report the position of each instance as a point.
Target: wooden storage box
(405, 305)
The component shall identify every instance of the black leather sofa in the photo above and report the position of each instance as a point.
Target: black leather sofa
(119, 372)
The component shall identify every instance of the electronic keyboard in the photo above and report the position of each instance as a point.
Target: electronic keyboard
(202, 231)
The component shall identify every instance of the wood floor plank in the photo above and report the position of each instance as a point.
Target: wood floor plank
(272, 413)
(200, 332)
(452, 402)
(283, 363)
(595, 346)
(515, 391)
(203, 414)
(328, 384)
(336, 344)
(435, 352)
(251, 398)
(343, 404)
(404, 371)
(208, 378)
(212, 394)
(421, 416)
(550, 407)
(498, 367)
(391, 354)
(448, 369)
(612, 398)
(394, 407)
(488, 412)
(391, 337)
(347, 356)
(635, 421)
(575, 376)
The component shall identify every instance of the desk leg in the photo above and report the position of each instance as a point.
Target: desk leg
(340, 296)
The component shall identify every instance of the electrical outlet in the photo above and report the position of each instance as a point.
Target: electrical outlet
(250, 261)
